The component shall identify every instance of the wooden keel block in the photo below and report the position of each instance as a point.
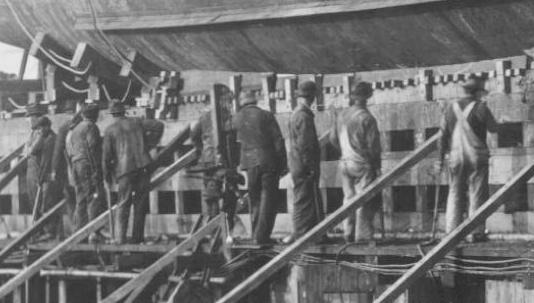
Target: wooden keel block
(43, 40)
(100, 65)
(93, 95)
(268, 86)
(504, 81)
(426, 82)
(235, 83)
(318, 78)
(50, 83)
(135, 61)
(348, 83)
(290, 85)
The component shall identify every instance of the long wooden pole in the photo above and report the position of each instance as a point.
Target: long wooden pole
(164, 261)
(35, 228)
(13, 172)
(332, 220)
(452, 239)
(4, 161)
(64, 246)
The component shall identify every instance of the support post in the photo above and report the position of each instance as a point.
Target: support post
(290, 85)
(268, 86)
(504, 81)
(62, 291)
(235, 87)
(320, 94)
(426, 83)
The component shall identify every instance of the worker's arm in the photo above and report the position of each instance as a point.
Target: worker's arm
(94, 143)
(491, 124)
(107, 157)
(445, 135)
(373, 141)
(279, 143)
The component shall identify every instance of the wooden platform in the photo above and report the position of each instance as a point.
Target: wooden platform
(496, 249)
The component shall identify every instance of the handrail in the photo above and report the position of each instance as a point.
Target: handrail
(332, 220)
(13, 172)
(81, 234)
(4, 161)
(164, 261)
(19, 241)
(452, 239)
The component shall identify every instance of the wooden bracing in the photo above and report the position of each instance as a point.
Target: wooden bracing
(332, 220)
(452, 239)
(4, 161)
(90, 227)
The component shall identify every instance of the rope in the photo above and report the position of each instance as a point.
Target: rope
(59, 57)
(45, 52)
(15, 104)
(76, 90)
(108, 96)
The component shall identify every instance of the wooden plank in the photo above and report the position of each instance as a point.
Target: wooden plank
(186, 159)
(33, 230)
(64, 246)
(453, 238)
(139, 63)
(164, 261)
(173, 145)
(13, 172)
(332, 220)
(4, 161)
(135, 21)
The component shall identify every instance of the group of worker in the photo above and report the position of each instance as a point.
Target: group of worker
(355, 134)
(78, 163)
(80, 166)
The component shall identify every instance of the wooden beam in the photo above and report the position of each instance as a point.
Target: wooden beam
(164, 261)
(101, 66)
(453, 238)
(263, 13)
(173, 145)
(64, 246)
(185, 160)
(24, 86)
(13, 172)
(4, 161)
(332, 220)
(32, 231)
(43, 40)
(140, 64)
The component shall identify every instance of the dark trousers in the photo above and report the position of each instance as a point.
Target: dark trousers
(307, 204)
(262, 186)
(89, 194)
(133, 190)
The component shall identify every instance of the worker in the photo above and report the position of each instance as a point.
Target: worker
(59, 173)
(355, 134)
(263, 157)
(214, 165)
(464, 128)
(304, 163)
(39, 149)
(126, 159)
(84, 150)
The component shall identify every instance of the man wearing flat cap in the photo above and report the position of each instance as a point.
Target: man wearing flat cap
(304, 163)
(263, 156)
(84, 150)
(464, 128)
(356, 135)
(125, 159)
(39, 149)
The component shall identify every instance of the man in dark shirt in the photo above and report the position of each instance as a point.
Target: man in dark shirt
(304, 163)
(464, 127)
(263, 156)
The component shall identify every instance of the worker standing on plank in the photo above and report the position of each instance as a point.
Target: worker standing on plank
(84, 150)
(263, 156)
(126, 160)
(464, 128)
(356, 135)
(212, 163)
(39, 149)
(305, 163)
(59, 173)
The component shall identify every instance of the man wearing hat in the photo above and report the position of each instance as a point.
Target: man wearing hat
(59, 173)
(125, 160)
(84, 150)
(39, 148)
(356, 135)
(263, 156)
(305, 163)
(464, 128)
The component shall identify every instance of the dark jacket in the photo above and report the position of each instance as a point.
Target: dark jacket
(84, 143)
(261, 140)
(39, 150)
(304, 154)
(153, 131)
(124, 149)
